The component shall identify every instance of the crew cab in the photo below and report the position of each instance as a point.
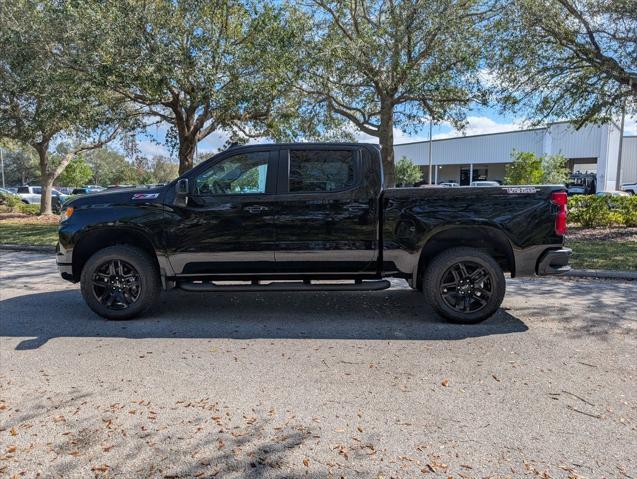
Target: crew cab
(308, 217)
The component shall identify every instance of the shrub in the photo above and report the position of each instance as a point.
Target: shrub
(13, 204)
(601, 211)
(407, 172)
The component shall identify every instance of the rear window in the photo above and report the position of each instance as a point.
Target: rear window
(321, 170)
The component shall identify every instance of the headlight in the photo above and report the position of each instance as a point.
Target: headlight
(66, 213)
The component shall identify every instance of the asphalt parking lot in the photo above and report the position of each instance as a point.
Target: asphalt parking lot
(316, 384)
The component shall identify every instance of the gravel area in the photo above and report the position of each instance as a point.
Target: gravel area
(316, 385)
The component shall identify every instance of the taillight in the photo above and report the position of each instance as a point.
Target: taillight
(560, 199)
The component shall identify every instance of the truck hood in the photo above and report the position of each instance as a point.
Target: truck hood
(119, 196)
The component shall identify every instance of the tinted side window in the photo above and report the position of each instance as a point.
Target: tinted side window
(321, 170)
(37, 190)
(23, 189)
(240, 174)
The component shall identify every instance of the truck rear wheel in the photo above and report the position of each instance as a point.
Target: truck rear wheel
(464, 285)
(120, 282)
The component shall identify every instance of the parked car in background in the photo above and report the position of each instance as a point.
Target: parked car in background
(612, 193)
(86, 190)
(575, 190)
(6, 191)
(32, 195)
(485, 183)
(630, 188)
(448, 184)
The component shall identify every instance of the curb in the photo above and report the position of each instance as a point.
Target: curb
(27, 247)
(602, 274)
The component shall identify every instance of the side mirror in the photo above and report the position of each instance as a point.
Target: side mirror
(181, 192)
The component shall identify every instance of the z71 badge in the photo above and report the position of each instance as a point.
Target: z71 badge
(145, 196)
(521, 189)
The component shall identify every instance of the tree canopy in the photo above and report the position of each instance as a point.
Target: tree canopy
(574, 59)
(42, 102)
(197, 65)
(391, 64)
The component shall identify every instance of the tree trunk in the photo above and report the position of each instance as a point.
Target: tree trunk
(386, 139)
(187, 146)
(46, 182)
(46, 201)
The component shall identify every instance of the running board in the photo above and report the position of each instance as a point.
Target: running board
(284, 286)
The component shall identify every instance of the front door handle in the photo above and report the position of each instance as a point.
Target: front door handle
(254, 209)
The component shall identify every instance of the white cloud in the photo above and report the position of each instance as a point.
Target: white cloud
(630, 126)
(479, 125)
(399, 137)
(149, 149)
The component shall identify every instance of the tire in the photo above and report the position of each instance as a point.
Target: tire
(120, 282)
(476, 295)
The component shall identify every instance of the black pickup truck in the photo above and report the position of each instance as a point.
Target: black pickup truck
(308, 217)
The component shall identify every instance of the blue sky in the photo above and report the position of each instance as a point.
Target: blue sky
(479, 121)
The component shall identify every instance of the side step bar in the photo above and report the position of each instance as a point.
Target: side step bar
(283, 286)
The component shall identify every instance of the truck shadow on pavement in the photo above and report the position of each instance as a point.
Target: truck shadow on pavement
(395, 314)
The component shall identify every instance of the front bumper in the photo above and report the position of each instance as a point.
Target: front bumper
(64, 260)
(554, 261)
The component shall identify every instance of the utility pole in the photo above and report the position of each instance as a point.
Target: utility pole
(2, 165)
(618, 178)
(431, 124)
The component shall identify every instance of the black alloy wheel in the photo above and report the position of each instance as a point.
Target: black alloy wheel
(120, 282)
(466, 287)
(116, 284)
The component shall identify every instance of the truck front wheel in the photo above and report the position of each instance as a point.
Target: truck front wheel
(120, 282)
(464, 285)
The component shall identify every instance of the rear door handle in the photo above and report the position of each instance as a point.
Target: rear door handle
(254, 209)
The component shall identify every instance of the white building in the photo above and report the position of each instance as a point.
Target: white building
(592, 149)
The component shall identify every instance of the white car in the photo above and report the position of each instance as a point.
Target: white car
(630, 188)
(484, 183)
(448, 184)
(32, 195)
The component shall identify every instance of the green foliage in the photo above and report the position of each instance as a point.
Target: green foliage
(590, 211)
(407, 172)
(529, 169)
(77, 173)
(199, 66)
(41, 98)
(379, 65)
(555, 170)
(565, 58)
(13, 204)
(20, 164)
(525, 169)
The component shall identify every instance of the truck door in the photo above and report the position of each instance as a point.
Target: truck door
(227, 226)
(327, 215)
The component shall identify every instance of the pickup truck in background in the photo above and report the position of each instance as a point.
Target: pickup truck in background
(308, 217)
(630, 188)
(32, 195)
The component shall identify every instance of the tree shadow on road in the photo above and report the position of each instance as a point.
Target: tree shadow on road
(395, 314)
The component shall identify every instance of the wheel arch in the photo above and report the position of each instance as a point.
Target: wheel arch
(484, 238)
(96, 239)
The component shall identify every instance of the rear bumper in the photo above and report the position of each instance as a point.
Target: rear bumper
(541, 260)
(554, 261)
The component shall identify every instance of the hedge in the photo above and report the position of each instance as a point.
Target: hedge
(591, 211)
(13, 204)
